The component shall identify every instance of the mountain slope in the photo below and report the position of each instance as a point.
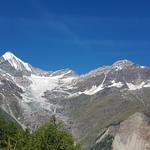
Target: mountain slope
(87, 103)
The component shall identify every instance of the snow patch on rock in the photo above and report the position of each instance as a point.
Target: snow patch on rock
(116, 84)
(133, 87)
(94, 90)
(143, 84)
(142, 67)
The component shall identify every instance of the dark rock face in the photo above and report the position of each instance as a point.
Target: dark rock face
(87, 103)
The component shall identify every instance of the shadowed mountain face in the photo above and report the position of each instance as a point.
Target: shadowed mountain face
(87, 104)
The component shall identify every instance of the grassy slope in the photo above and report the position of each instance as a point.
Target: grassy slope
(102, 112)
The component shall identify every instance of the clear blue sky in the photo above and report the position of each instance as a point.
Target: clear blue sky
(77, 34)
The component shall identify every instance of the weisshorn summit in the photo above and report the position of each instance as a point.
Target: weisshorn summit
(98, 107)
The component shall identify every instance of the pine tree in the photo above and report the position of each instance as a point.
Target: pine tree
(51, 136)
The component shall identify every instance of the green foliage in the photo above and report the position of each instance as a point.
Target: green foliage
(51, 136)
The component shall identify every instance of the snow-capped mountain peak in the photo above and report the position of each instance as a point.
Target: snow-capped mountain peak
(123, 62)
(119, 65)
(15, 62)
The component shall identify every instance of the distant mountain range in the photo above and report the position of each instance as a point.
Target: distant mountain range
(89, 104)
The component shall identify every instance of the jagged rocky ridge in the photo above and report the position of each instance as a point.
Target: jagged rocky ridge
(87, 104)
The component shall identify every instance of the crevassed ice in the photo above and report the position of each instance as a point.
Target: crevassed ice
(40, 84)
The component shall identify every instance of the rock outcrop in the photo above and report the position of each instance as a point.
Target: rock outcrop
(133, 134)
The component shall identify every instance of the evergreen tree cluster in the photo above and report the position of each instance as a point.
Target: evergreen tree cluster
(51, 136)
